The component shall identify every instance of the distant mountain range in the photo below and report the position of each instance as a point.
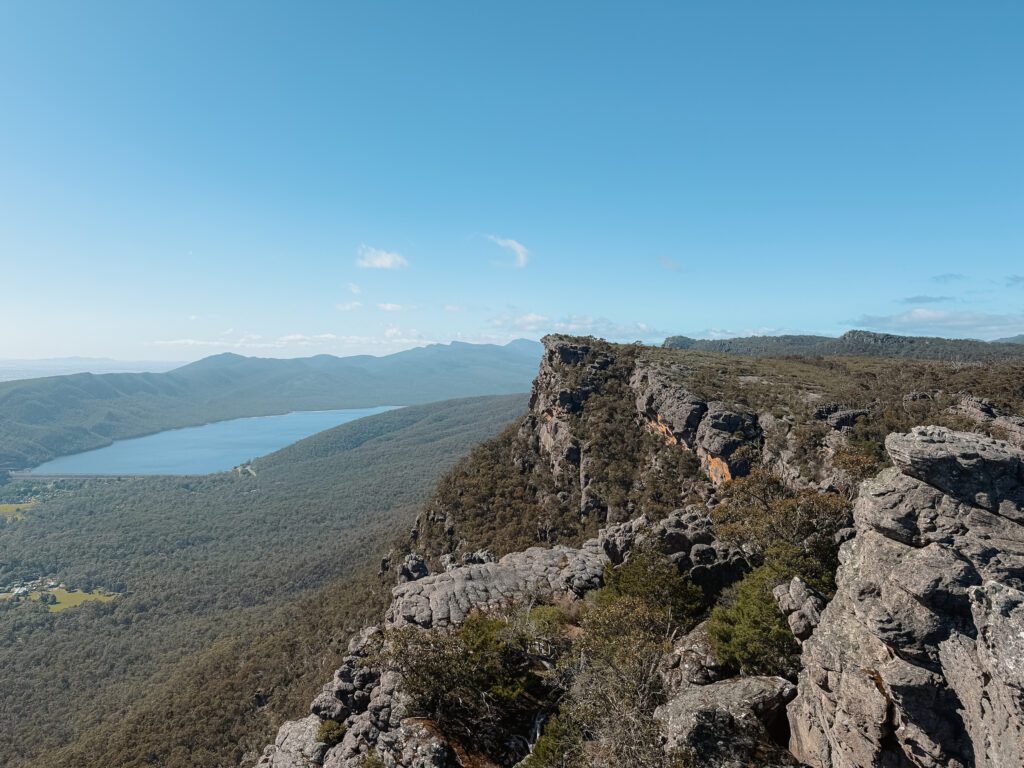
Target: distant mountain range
(860, 344)
(44, 418)
(62, 366)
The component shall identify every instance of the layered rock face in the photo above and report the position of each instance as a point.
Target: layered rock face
(919, 658)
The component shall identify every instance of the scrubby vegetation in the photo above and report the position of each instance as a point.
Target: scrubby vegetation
(856, 343)
(591, 672)
(234, 591)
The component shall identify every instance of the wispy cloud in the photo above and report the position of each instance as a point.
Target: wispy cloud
(375, 258)
(1015, 281)
(348, 306)
(924, 299)
(936, 322)
(355, 289)
(533, 323)
(386, 307)
(948, 277)
(453, 308)
(669, 264)
(518, 250)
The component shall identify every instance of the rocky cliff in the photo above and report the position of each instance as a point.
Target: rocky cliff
(626, 452)
(917, 659)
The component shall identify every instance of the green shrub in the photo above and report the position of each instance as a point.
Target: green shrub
(331, 732)
(747, 629)
(480, 682)
(653, 579)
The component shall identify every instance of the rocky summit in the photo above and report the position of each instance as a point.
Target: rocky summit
(916, 661)
(764, 565)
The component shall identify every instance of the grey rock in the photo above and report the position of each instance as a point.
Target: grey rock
(446, 599)
(686, 537)
(986, 413)
(916, 660)
(722, 432)
(692, 661)
(801, 605)
(728, 724)
(296, 746)
(412, 568)
(667, 408)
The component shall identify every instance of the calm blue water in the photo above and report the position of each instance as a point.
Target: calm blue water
(200, 450)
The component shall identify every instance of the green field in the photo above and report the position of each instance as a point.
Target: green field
(66, 599)
(13, 512)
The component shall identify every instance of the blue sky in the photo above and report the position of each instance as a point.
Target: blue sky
(179, 179)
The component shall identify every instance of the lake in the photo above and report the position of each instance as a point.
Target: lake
(201, 450)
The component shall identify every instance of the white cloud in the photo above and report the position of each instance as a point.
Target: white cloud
(519, 250)
(533, 323)
(353, 288)
(453, 308)
(374, 258)
(348, 306)
(386, 307)
(393, 332)
(937, 322)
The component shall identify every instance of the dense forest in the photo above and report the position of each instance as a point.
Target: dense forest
(58, 415)
(862, 343)
(230, 587)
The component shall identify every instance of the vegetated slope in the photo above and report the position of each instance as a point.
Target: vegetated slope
(213, 570)
(1018, 339)
(858, 343)
(690, 507)
(44, 418)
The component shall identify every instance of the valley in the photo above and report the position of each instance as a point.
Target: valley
(198, 564)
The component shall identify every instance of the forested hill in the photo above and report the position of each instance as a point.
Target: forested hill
(44, 418)
(231, 589)
(859, 344)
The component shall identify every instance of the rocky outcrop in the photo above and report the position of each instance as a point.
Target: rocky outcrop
(686, 537)
(296, 746)
(985, 413)
(801, 605)
(727, 724)
(445, 599)
(916, 661)
(715, 431)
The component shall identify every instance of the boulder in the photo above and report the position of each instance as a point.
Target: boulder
(915, 661)
(445, 599)
(801, 605)
(728, 724)
(296, 746)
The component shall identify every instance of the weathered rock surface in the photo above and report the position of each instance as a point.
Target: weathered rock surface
(723, 431)
(726, 724)
(692, 661)
(686, 537)
(445, 599)
(917, 659)
(801, 605)
(296, 746)
(984, 412)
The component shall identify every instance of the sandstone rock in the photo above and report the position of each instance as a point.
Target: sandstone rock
(296, 746)
(801, 605)
(985, 412)
(669, 409)
(446, 599)
(686, 537)
(722, 432)
(728, 724)
(916, 661)
(412, 568)
(692, 661)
